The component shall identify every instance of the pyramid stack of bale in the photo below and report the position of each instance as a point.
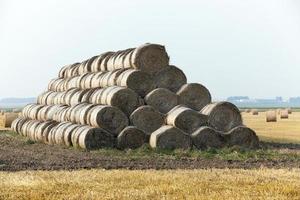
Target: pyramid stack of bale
(127, 98)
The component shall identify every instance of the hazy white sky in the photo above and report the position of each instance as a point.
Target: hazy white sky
(232, 47)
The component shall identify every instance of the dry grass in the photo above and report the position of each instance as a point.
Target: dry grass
(115, 184)
(284, 130)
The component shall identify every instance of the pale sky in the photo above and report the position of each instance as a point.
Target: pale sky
(232, 47)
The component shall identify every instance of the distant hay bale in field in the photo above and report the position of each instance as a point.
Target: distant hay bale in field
(254, 112)
(185, 119)
(271, 116)
(290, 111)
(162, 99)
(194, 95)
(170, 77)
(242, 136)
(131, 138)
(169, 137)
(222, 116)
(284, 114)
(206, 137)
(147, 119)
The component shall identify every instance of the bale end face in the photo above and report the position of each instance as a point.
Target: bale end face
(206, 137)
(169, 137)
(96, 138)
(131, 138)
(162, 99)
(147, 119)
(150, 58)
(242, 136)
(194, 96)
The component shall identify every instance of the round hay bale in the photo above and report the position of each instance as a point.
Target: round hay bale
(123, 98)
(186, 119)
(284, 114)
(20, 124)
(60, 113)
(59, 98)
(62, 71)
(254, 111)
(77, 97)
(271, 116)
(50, 100)
(106, 57)
(169, 137)
(87, 95)
(75, 134)
(222, 116)
(32, 130)
(81, 67)
(87, 81)
(73, 82)
(52, 133)
(43, 130)
(88, 64)
(97, 65)
(138, 81)
(52, 111)
(290, 111)
(81, 80)
(110, 63)
(119, 60)
(75, 112)
(14, 124)
(95, 138)
(147, 119)
(34, 111)
(206, 137)
(110, 78)
(107, 117)
(72, 70)
(170, 77)
(96, 81)
(60, 133)
(81, 117)
(69, 94)
(131, 138)
(194, 95)
(68, 134)
(242, 136)
(148, 57)
(162, 99)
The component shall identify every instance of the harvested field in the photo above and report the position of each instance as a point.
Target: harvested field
(124, 184)
(284, 130)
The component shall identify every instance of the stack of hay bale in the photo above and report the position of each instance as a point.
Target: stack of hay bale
(127, 98)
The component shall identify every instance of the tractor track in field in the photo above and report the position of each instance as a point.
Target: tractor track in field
(17, 155)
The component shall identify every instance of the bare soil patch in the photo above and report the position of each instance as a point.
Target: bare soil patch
(18, 153)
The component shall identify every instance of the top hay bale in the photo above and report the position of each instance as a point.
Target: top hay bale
(149, 58)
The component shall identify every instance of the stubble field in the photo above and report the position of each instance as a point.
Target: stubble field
(271, 172)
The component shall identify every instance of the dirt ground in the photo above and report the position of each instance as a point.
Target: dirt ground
(16, 154)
